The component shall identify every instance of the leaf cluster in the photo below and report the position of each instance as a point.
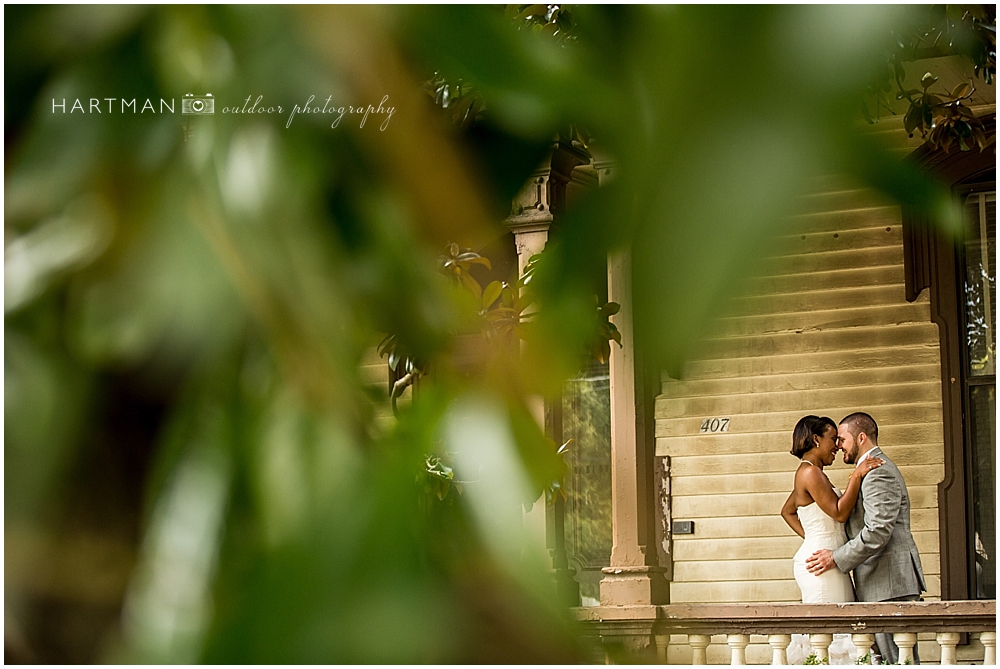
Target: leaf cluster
(553, 21)
(439, 478)
(464, 105)
(943, 118)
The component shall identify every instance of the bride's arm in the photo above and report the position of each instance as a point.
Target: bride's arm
(790, 512)
(850, 497)
(838, 508)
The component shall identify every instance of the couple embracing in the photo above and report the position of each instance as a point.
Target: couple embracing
(877, 545)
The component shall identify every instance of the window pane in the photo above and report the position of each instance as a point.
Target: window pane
(587, 420)
(980, 282)
(980, 304)
(982, 417)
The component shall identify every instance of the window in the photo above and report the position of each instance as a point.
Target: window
(586, 419)
(979, 362)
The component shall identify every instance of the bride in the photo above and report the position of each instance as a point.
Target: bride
(816, 511)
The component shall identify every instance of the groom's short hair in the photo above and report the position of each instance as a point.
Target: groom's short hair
(859, 422)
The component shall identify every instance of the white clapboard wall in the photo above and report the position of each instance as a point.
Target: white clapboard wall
(825, 329)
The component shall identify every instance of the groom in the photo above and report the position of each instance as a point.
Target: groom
(881, 550)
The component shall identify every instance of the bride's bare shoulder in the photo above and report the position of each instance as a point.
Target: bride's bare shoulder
(808, 475)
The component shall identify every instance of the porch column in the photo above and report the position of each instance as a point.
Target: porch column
(532, 214)
(530, 239)
(634, 576)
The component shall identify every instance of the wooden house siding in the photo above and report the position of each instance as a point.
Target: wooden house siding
(824, 329)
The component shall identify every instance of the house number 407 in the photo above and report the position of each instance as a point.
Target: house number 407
(710, 425)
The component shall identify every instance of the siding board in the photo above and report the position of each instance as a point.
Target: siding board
(797, 382)
(802, 401)
(731, 505)
(924, 436)
(741, 548)
(778, 481)
(820, 300)
(829, 260)
(774, 569)
(838, 220)
(863, 358)
(784, 421)
(883, 231)
(838, 278)
(832, 202)
(818, 340)
(753, 463)
(862, 316)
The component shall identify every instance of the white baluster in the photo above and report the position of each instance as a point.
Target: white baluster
(698, 643)
(821, 645)
(948, 641)
(905, 641)
(739, 643)
(989, 641)
(863, 642)
(661, 647)
(779, 644)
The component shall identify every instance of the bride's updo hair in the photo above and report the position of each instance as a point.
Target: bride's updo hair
(805, 429)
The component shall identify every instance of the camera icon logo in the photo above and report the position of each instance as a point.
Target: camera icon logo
(192, 104)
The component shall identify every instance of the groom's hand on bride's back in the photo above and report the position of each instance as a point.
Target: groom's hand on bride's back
(820, 561)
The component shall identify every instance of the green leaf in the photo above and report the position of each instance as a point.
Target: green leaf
(491, 293)
(472, 285)
(979, 136)
(912, 119)
(532, 10)
(507, 296)
(961, 90)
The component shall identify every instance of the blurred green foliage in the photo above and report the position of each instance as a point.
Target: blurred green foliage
(942, 117)
(190, 300)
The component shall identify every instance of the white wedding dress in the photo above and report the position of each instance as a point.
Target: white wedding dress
(832, 586)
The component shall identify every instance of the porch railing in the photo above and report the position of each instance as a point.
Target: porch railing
(649, 629)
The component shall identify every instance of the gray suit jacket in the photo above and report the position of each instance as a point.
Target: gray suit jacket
(881, 550)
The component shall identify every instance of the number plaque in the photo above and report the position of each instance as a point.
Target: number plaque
(714, 425)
